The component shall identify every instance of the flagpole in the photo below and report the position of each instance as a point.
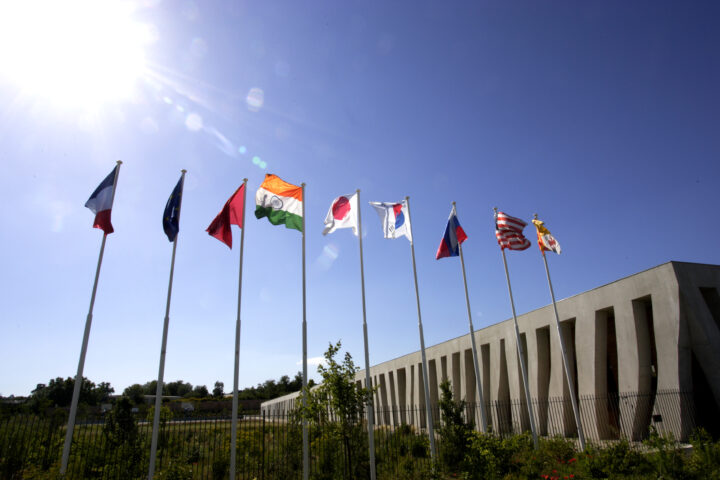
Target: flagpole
(163, 348)
(483, 418)
(233, 428)
(426, 377)
(371, 412)
(83, 349)
(521, 354)
(306, 447)
(568, 376)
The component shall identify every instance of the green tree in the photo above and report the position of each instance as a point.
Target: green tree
(59, 392)
(121, 433)
(150, 388)
(338, 405)
(177, 388)
(218, 389)
(456, 433)
(135, 393)
(200, 391)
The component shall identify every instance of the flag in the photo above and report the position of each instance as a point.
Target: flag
(545, 240)
(454, 236)
(100, 203)
(280, 202)
(231, 214)
(508, 231)
(395, 219)
(171, 215)
(343, 213)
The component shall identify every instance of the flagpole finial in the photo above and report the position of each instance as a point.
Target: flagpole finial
(453, 203)
(495, 209)
(302, 184)
(535, 216)
(119, 162)
(245, 180)
(407, 197)
(357, 190)
(183, 171)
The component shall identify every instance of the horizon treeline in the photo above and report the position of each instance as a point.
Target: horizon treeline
(58, 391)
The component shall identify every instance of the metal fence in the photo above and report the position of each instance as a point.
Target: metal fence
(270, 446)
(628, 415)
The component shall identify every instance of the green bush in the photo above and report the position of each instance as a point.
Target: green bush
(704, 461)
(618, 460)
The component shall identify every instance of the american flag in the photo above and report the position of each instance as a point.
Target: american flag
(508, 231)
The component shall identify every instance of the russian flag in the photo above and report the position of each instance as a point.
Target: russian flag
(454, 236)
(100, 203)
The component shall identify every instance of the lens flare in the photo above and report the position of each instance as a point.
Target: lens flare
(72, 53)
(194, 122)
(255, 99)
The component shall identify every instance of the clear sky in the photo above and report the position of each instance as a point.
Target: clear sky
(602, 117)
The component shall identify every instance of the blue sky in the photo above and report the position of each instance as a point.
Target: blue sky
(600, 116)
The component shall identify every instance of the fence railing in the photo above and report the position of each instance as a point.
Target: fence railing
(610, 417)
(269, 446)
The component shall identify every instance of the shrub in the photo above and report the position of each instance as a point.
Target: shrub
(704, 461)
(618, 460)
(454, 431)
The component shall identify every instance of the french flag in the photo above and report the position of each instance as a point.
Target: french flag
(100, 203)
(454, 236)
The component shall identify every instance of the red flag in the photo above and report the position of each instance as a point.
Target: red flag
(231, 214)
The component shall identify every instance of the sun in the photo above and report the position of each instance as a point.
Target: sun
(72, 53)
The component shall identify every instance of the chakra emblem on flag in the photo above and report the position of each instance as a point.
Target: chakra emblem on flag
(276, 203)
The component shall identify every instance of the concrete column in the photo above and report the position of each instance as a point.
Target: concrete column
(591, 354)
(456, 376)
(541, 378)
(485, 367)
(384, 408)
(402, 395)
(520, 417)
(630, 353)
(393, 398)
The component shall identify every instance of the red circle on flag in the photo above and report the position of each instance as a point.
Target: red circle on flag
(340, 208)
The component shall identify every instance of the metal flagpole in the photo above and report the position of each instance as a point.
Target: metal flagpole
(371, 412)
(568, 376)
(521, 354)
(426, 377)
(163, 348)
(306, 446)
(483, 418)
(83, 349)
(233, 428)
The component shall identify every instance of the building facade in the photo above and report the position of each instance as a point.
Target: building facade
(643, 350)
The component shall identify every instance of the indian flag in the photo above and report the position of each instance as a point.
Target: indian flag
(280, 202)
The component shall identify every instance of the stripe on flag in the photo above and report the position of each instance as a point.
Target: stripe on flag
(508, 231)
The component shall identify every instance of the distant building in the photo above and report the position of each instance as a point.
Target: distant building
(644, 350)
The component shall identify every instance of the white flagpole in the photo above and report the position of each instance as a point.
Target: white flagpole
(163, 348)
(483, 418)
(521, 354)
(83, 349)
(371, 412)
(568, 376)
(233, 428)
(306, 446)
(426, 377)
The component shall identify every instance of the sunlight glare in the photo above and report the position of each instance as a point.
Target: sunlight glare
(73, 53)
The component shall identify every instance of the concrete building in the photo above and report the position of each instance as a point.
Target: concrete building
(644, 350)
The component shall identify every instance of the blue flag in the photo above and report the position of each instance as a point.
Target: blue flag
(171, 216)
